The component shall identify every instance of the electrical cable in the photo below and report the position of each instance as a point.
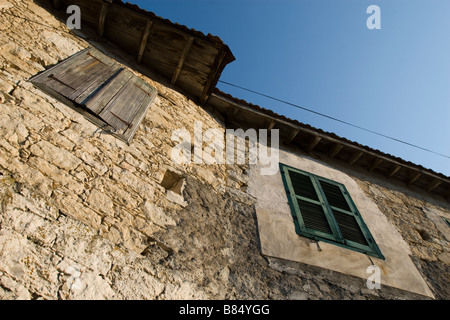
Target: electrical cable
(333, 118)
(273, 98)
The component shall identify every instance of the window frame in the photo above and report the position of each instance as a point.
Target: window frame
(336, 237)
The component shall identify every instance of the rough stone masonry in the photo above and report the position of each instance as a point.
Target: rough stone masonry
(86, 216)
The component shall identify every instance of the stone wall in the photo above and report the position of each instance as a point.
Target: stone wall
(86, 216)
(66, 185)
(274, 215)
(418, 218)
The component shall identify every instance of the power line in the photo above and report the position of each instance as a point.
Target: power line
(270, 97)
(333, 118)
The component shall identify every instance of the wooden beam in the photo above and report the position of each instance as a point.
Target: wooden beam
(231, 114)
(336, 149)
(56, 4)
(185, 52)
(102, 17)
(414, 178)
(375, 164)
(327, 137)
(447, 196)
(144, 40)
(314, 143)
(292, 136)
(270, 124)
(205, 94)
(394, 171)
(433, 184)
(355, 157)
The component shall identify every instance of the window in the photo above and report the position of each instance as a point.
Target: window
(98, 87)
(323, 210)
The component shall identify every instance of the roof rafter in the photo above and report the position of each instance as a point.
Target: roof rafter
(212, 77)
(185, 52)
(335, 150)
(144, 40)
(102, 17)
(394, 170)
(291, 136)
(314, 143)
(355, 157)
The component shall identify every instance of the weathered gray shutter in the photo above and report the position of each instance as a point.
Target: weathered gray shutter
(93, 82)
(125, 111)
(77, 77)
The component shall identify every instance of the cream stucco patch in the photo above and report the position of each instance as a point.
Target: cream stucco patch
(279, 239)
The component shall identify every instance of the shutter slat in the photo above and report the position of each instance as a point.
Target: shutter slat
(102, 97)
(64, 81)
(103, 87)
(43, 77)
(93, 82)
(78, 75)
(314, 217)
(334, 195)
(150, 94)
(349, 228)
(303, 186)
(112, 113)
(73, 76)
(55, 84)
(127, 108)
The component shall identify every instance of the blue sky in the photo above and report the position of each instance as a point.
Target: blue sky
(319, 54)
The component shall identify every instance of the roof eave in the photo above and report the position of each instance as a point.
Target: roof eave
(239, 113)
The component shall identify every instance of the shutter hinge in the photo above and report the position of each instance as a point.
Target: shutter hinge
(129, 125)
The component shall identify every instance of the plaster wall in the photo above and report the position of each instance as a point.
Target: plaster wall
(279, 239)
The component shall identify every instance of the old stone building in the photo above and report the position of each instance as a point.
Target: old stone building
(94, 205)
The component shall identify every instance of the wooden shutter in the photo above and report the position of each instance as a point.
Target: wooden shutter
(323, 210)
(349, 227)
(340, 208)
(109, 95)
(77, 77)
(308, 208)
(127, 108)
(314, 217)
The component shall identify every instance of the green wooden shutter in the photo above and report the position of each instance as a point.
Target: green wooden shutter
(323, 210)
(346, 219)
(111, 96)
(307, 205)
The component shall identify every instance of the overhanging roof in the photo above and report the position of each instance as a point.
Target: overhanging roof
(193, 61)
(188, 58)
(242, 114)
